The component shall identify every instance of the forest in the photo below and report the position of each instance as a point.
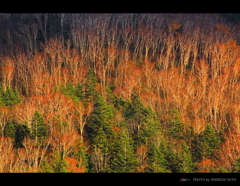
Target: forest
(119, 93)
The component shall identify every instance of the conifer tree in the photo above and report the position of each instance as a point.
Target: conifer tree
(110, 95)
(150, 127)
(101, 117)
(156, 160)
(170, 155)
(82, 156)
(9, 97)
(236, 168)
(78, 92)
(17, 131)
(54, 165)
(175, 126)
(143, 121)
(100, 131)
(90, 85)
(38, 127)
(69, 90)
(2, 96)
(208, 142)
(22, 131)
(10, 129)
(186, 164)
(124, 159)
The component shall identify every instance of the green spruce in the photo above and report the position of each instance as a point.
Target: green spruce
(186, 164)
(208, 142)
(124, 159)
(38, 127)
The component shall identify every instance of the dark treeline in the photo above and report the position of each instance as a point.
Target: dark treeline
(30, 31)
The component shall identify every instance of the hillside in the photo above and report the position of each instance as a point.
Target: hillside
(119, 93)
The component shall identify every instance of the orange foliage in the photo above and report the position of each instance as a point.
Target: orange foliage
(149, 99)
(198, 125)
(205, 166)
(223, 28)
(141, 154)
(7, 71)
(72, 166)
(230, 148)
(116, 129)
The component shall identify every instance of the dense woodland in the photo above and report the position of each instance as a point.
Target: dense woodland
(119, 93)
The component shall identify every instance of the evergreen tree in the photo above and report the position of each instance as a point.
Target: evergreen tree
(69, 89)
(2, 96)
(78, 92)
(221, 170)
(17, 131)
(150, 127)
(186, 164)
(101, 117)
(174, 126)
(101, 148)
(110, 95)
(100, 128)
(10, 129)
(22, 131)
(156, 160)
(208, 142)
(54, 165)
(11, 97)
(119, 105)
(144, 119)
(46, 168)
(236, 168)
(170, 155)
(90, 85)
(39, 129)
(82, 155)
(124, 159)
(173, 161)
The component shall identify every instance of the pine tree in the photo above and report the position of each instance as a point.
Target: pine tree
(100, 132)
(82, 156)
(90, 85)
(110, 95)
(10, 129)
(78, 92)
(236, 168)
(150, 127)
(174, 126)
(208, 142)
(22, 131)
(101, 117)
(54, 165)
(2, 96)
(186, 164)
(101, 148)
(10, 97)
(144, 121)
(124, 159)
(17, 131)
(156, 160)
(171, 156)
(39, 129)
(70, 91)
